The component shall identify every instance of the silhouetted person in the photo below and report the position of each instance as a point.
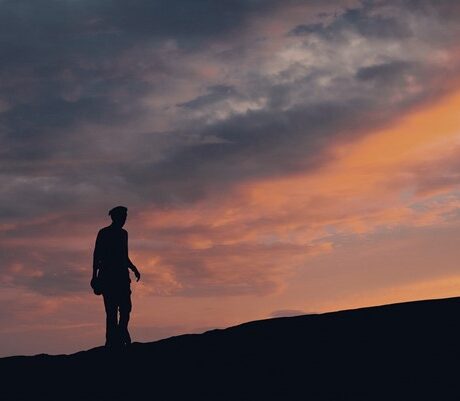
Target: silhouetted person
(110, 271)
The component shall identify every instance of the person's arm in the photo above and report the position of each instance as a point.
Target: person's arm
(131, 264)
(134, 269)
(97, 257)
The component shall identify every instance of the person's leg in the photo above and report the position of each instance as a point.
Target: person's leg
(111, 320)
(125, 309)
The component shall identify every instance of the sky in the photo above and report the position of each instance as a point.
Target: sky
(277, 157)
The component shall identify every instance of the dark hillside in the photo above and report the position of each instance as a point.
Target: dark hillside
(408, 351)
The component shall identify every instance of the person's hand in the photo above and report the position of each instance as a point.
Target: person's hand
(137, 274)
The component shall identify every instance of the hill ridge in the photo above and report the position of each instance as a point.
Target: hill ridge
(402, 351)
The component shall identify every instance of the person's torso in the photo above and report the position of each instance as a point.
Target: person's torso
(114, 254)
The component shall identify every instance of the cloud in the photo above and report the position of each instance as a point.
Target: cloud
(368, 21)
(215, 94)
(249, 140)
(48, 272)
(385, 72)
(174, 109)
(287, 313)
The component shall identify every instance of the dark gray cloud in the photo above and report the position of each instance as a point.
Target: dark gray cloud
(76, 64)
(385, 72)
(254, 145)
(363, 20)
(215, 94)
(155, 102)
(62, 62)
(307, 29)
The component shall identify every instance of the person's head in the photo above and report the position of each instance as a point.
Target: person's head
(118, 215)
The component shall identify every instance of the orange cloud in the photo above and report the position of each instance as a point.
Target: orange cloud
(255, 237)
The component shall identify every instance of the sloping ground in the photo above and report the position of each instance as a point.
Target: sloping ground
(408, 351)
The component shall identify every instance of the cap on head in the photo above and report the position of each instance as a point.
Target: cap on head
(118, 211)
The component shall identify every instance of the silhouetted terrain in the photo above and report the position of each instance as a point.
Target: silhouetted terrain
(407, 351)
